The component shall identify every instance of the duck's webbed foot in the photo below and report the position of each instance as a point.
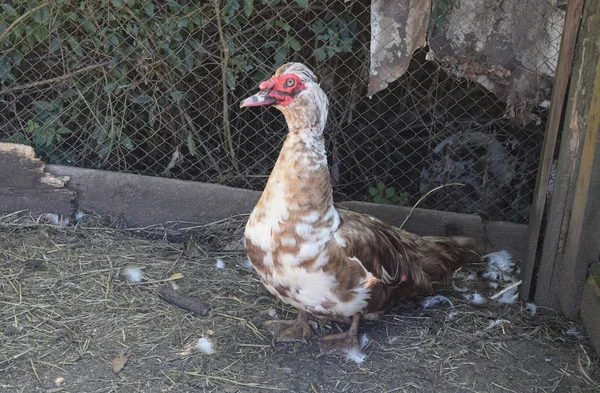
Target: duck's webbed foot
(341, 343)
(290, 330)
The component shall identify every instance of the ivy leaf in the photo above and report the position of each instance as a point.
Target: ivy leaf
(373, 191)
(294, 44)
(9, 10)
(183, 22)
(126, 142)
(89, 26)
(113, 62)
(248, 7)
(320, 54)
(142, 99)
(152, 115)
(380, 186)
(110, 87)
(176, 95)
(197, 47)
(17, 57)
(45, 106)
(378, 199)
(114, 40)
(117, 3)
(286, 27)
(149, 9)
(174, 6)
(389, 192)
(75, 46)
(191, 144)
(230, 79)
(281, 55)
(302, 3)
(41, 33)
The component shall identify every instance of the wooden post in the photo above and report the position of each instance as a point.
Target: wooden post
(571, 241)
(559, 92)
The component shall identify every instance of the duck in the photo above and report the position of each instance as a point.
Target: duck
(328, 262)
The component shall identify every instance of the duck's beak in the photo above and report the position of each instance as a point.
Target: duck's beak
(259, 99)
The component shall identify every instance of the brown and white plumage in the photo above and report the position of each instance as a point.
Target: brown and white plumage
(331, 263)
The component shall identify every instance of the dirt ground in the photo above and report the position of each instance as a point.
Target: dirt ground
(66, 314)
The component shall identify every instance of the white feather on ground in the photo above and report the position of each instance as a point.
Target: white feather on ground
(532, 308)
(355, 355)
(575, 332)
(205, 346)
(54, 219)
(432, 301)
(132, 273)
(363, 341)
(78, 216)
(475, 298)
(220, 264)
(500, 266)
(501, 260)
(458, 289)
(510, 296)
(272, 313)
(245, 264)
(497, 322)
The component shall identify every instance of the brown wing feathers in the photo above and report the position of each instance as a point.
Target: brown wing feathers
(395, 256)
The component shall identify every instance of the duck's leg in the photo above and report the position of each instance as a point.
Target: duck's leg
(339, 343)
(290, 331)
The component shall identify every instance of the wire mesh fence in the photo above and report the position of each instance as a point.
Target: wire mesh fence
(153, 87)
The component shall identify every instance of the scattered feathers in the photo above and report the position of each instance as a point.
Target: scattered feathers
(576, 333)
(501, 260)
(220, 264)
(205, 346)
(131, 273)
(363, 341)
(496, 323)
(432, 301)
(245, 264)
(54, 219)
(500, 266)
(532, 308)
(78, 216)
(355, 355)
(457, 289)
(475, 298)
(272, 313)
(510, 296)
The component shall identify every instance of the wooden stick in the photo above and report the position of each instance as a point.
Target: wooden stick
(508, 288)
(20, 19)
(180, 300)
(54, 80)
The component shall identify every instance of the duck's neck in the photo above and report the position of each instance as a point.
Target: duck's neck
(297, 204)
(301, 175)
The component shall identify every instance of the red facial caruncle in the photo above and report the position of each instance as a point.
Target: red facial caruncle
(283, 88)
(278, 90)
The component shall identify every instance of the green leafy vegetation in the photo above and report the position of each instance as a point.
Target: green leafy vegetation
(387, 195)
(138, 75)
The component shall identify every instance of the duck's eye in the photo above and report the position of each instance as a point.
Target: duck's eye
(290, 82)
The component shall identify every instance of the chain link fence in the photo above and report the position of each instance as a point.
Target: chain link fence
(153, 87)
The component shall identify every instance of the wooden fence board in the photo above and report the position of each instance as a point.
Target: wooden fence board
(559, 92)
(566, 244)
